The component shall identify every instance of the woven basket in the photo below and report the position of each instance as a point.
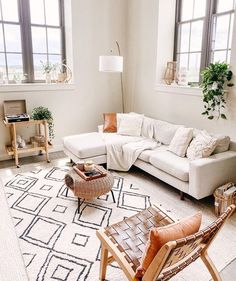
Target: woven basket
(222, 201)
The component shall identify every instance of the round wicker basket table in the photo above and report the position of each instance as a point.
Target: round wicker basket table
(87, 190)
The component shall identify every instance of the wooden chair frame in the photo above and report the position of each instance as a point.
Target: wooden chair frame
(167, 262)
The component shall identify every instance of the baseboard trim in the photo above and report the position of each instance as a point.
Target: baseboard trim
(55, 148)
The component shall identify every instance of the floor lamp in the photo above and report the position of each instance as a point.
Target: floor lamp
(113, 63)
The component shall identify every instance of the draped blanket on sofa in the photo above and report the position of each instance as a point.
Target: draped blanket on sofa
(123, 151)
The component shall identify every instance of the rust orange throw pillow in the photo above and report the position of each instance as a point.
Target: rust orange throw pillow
(159, 236)
(110, 123)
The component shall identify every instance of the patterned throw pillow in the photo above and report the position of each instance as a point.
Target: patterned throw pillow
(201, 146)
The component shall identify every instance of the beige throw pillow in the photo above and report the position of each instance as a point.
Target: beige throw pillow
(222, 145)
(130, 125)
(180, 141)
(201, 146)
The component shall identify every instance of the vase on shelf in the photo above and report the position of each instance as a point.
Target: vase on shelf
(48, 78)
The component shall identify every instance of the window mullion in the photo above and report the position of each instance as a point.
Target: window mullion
(27, 51)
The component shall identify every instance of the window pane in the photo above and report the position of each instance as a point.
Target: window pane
(184, 37)
(38, 70)
(10, 10)
(52, 12)
(199, 8)
(1, 39)
(225, 5)
(187, 10)
(196, 36)
(2, 66)
(219, 56)
(221, 32)
(54, 40)
(37, 11)
(12, 37)
(231, 30)
(55, 59)
(194, 67)
(228, 57)
(14, 63)
(39, 39)
(183, 60)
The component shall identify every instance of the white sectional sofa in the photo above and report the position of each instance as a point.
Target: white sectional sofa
(198, 178)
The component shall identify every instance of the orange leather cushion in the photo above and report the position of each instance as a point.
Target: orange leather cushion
(110, 123)
(159, 236)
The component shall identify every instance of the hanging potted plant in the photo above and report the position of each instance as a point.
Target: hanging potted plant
(215, 80)
(43, 113)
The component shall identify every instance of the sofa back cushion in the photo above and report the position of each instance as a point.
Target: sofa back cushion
(164, 131)
(159, 236)
(147, 128)
(110, 123)
(222, 144)
(201, 146)
(130, 124)
(180, 141)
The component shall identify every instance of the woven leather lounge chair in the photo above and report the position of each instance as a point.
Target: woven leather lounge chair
(126, 240)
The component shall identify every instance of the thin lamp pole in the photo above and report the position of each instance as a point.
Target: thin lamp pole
(121, 81)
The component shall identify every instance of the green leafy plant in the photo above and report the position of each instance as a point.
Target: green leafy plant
(215, 78)
(47, 66)
(43, 113)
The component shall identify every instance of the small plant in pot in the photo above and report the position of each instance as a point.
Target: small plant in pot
(215, 80)
(43, 113)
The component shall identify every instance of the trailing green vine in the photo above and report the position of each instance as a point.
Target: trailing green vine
(215, 78)
(43, 113)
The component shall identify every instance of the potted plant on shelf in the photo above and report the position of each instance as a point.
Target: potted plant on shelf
(43, 113)
(215, 80)
(48, 67)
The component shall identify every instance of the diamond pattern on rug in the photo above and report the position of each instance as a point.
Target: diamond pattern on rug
(22, 182)
(58, 243)
(43, 232)
(59, 266)
(31, 203)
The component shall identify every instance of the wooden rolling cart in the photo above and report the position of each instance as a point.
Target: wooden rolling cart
(14, 151)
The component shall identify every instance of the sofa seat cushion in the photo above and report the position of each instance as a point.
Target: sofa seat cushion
(171, 164)
(146, 154)
(85, 145)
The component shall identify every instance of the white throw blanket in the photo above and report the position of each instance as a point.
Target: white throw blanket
(123, 151)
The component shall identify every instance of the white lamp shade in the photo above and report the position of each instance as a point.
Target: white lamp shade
(111, 63)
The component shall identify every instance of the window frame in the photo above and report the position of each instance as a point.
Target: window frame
(208, 20)
(26, 38)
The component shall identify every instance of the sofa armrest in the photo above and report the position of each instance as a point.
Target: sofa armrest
(100, 128)
(206, 174)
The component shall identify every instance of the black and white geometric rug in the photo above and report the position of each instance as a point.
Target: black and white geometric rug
(57, 243)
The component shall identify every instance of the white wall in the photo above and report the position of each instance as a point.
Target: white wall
(96, 25)
(144, 58)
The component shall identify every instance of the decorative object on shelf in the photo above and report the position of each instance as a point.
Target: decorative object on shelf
(48, 67)
(43, 113)
(182, 76)
(62, 73)
(170, 72)
(113, 63)
(20, 142)
(215, 78)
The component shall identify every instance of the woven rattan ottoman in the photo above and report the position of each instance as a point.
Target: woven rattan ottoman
(87, 190)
